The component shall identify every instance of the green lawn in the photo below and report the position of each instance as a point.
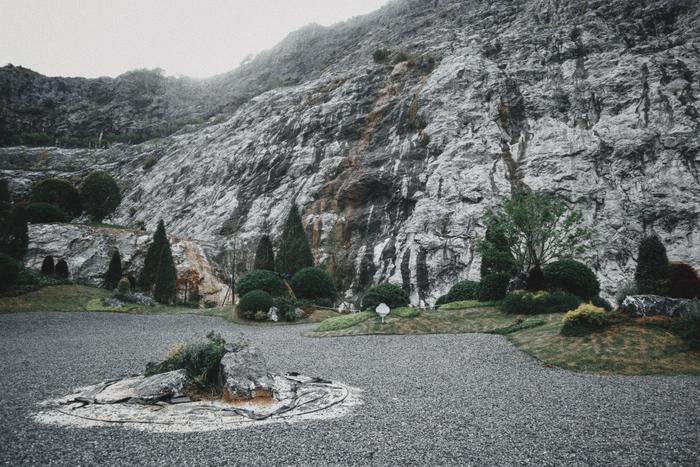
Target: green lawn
(628, 347)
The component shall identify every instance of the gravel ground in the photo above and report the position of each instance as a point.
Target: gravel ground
(441, 399)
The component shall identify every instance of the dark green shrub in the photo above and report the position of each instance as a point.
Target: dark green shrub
(379, 55)
(535, 279)
(463, 290)
(40, 213)
(149, 272)
(393, 295)
(9, 268)
(312, 284)
(114, 271)
(532, 303)
(653, 270)
(495, 253)
(583, 320)
(62, 269)
(683, 281)
(99, 195)
(286, 308)
(294, 252)
(600, 302)
(264, 255)
(165, 290)
(572, 276)
(199, 358)
(268, 281)
(58, 192)
(688, 326)
(493, 286)
(255, 300)
(48, 267)
(14, 236)
(442, 299)
(124, 287)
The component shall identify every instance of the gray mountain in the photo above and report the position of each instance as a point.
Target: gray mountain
(394, 132)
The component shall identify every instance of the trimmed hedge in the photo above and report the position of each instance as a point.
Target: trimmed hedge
(583, 320)
(573, 277)
(393, 295)
(40, 213)
(464, 290)
(268, 281)
(253, 301)
(493, 286)
(532, 303)
(313, 283)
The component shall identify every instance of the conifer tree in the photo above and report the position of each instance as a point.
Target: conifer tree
(294, 252)
(62, 269)
(653, 270)
(114, 271)
(165, 290)
(13, 224)
(150, 265)
(264, 255)
(48, 268)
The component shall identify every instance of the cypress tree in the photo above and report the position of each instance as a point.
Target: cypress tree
(16, 239)
(150, 265)
(114, 271)
(48, 268)
(62, 269)
(653, 270)
(165, 290)
(294, 252)
(264, 255)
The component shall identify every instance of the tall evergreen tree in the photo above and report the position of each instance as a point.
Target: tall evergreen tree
(294, 252)
(165, 290)
(48, 268)
(653, 270)
(114, 271)
(62, 269)
(495, 253)
(14, 236)
(264, 255)
(150, 265)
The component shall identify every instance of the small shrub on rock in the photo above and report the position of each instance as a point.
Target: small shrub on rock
(684, 281)
(493, 287)
(9, 268)
(393, 295)
(124, 287)
(532, 303)
(379, 55)
(573, 277)
(268, 281)
(286, 308)
(583, 320)
(41, 213)
(313, 284)
(255, 300)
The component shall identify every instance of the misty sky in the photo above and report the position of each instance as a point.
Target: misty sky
(197, 38)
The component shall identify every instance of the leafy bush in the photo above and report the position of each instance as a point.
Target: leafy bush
(688, 326)
(461, 291)
(313, 283)
(255, 300)
(9, 268)
(393, 295)
(286, 308)
(380, 55)
(493, 286)
(535, 279)
(653, 270)
(100, 195)
(683, 281)
(123, 287)
(583, 320)
(260, 315)
(58, 192)
(268, 281)
(199, 358)
(39, 213)
(573, 277)
(532, 303)
(48, 267)
(600, 302)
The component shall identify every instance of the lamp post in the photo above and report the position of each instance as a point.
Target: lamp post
(383, 310)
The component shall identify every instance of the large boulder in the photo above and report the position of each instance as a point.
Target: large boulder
(137, 389)
(655, 305)
(244, 375)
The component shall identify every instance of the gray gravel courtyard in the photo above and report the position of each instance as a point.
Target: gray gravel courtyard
(435, 400)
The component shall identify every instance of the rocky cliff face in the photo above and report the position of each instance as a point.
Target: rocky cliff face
(394, 164)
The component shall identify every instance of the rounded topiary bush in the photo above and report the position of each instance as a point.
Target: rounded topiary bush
(268, 281)
(393, 295)
(493, 286)
(583, 320)
(9, 268)
(39, 213)
(58, 192)
(532, 303)
(683, 281)
(464, 290)
(99, 195)
(254, 301)
(312, 284)
(573, 277)
(123, 287)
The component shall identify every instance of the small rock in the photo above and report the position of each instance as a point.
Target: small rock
(243, 374)
(654, 305)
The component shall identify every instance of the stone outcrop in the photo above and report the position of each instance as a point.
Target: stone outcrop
(87, 251)
(136, 389)
(655, 305)
(394, 164)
